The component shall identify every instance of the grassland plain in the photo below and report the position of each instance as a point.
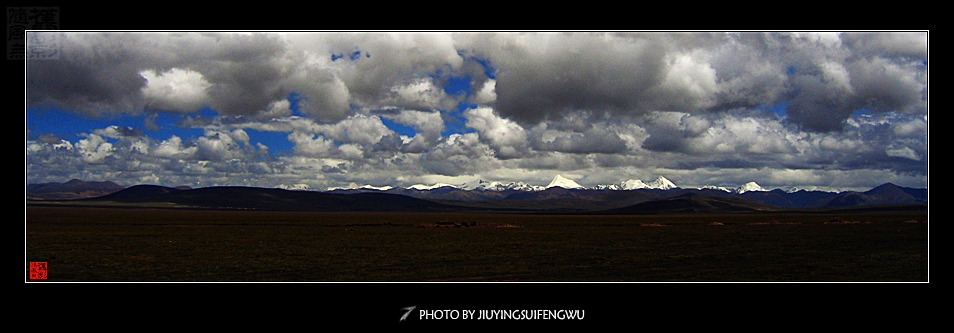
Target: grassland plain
(146, 244)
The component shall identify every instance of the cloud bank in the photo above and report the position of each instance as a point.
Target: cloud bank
(784, 109)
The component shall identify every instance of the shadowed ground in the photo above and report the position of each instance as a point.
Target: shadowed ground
(120, 244)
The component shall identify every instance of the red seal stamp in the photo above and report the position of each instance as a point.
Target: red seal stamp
(38, 270)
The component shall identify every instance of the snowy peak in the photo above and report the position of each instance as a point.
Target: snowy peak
(560, 181)
(662, 183)
(422, 187)
(632, 184)
(749, 187)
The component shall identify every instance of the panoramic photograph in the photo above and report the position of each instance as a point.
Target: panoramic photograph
(476, 156)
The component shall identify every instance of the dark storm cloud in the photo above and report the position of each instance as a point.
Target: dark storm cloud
(727, 164)
(667, 132)
(542, 76)
(556, 161)
(107, 72)
(613, 160)
(332, 169)
(882, 85)
(823, 77)
(902, 44)
(819, 105)
(596, 139)
(538, 76)
(833, 75)
(94, 75)
(388, 143)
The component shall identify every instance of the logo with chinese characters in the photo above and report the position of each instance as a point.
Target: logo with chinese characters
(38, 270)
(33, 44)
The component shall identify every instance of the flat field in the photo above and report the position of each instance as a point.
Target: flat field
(141, 244)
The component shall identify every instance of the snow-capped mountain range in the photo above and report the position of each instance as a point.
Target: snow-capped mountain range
(748, 187)
(422, 187)
(561, 196)
(483, 185)
(356, 187)
(660, 183)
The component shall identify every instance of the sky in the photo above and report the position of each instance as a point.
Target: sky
(813, 110)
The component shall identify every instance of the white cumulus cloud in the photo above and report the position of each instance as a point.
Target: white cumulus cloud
(177, 90)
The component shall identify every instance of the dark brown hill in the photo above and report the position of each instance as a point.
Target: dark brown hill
(886, 194)
(693, 203)
(893, 194)
(137, 193)
(254, 198)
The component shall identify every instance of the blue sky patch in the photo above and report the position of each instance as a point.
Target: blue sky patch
(861, 112)
(779, 108)
(454, 121)
(277, 142)
(398, 127)
(458, 84)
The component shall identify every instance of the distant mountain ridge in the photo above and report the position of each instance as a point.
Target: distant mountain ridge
(563, 195)
(272, 199)
(73, 189)
(660, 183)
(612, 197)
